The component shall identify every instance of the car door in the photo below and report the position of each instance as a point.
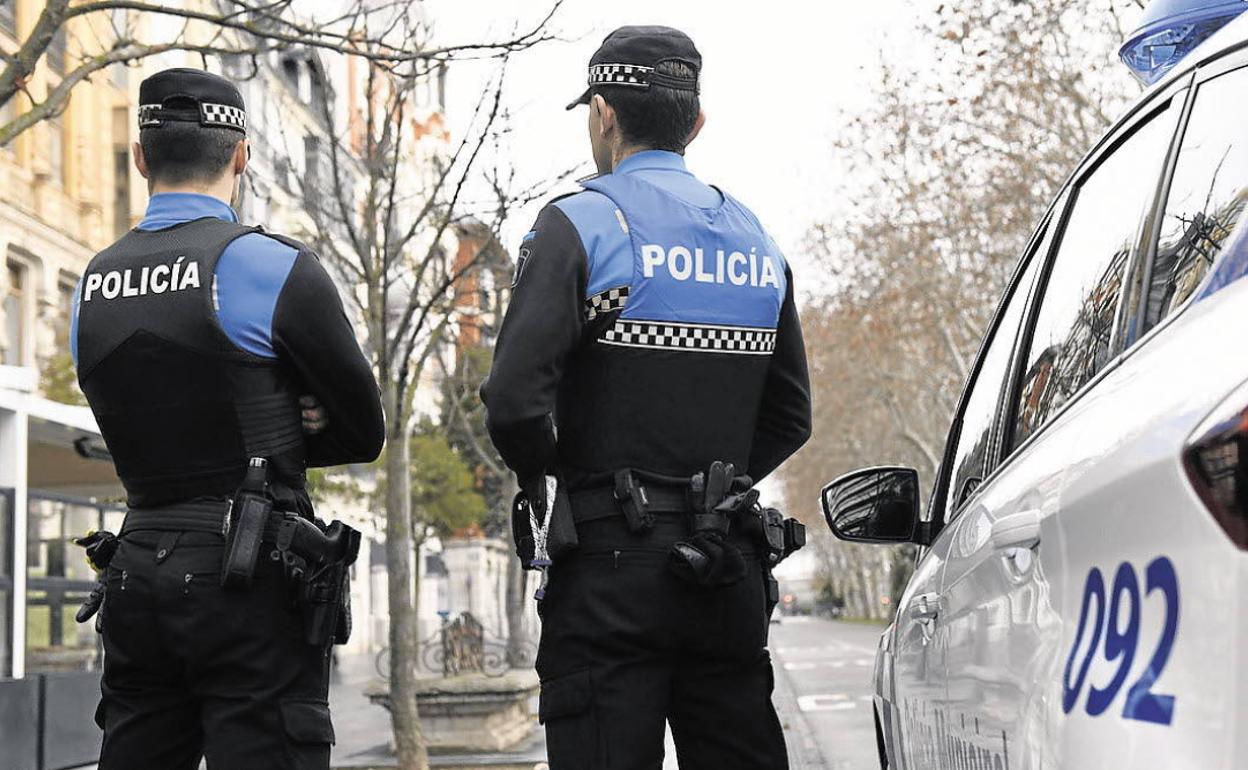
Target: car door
(1004, 573)
(920, 689)
(967, 459)
(918, 679)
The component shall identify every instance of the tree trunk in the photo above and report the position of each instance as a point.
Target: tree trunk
(409, 738)
(518, 653)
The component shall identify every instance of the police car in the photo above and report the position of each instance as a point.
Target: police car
(1081, 595)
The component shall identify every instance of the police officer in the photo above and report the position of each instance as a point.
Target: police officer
(201, 343)
(650, 366)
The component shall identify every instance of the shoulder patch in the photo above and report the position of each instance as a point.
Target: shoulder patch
(522, 259)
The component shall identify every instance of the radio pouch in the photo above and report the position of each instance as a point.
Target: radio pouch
(248, 516)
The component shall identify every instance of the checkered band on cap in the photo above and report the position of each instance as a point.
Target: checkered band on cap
(223, 115)
(147, 115)
(620, 75)
(209, 115)
(607, 301)
(692, 337)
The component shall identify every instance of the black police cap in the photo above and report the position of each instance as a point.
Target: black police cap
(184, 95)
(629, 55)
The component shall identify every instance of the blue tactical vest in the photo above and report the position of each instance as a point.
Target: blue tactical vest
(680, 334)
(701, 279)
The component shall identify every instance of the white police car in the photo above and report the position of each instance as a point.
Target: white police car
(1081, 595)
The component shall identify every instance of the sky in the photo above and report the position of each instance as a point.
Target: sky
(777, 79)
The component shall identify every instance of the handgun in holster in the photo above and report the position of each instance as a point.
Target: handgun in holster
(325, 587)
(249, 514)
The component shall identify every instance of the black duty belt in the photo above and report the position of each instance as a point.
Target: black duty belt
(601, 503)
(209, 517)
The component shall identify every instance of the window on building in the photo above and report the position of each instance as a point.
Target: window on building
(121, 172)
(8, 17)
(65, 288)
(15, 302)
(290, 72)
(56, 52)
(312, 165)
(1072, 335)
(319, 90)
(969, 460)
(56, 149)
(1208, 194)
(442, 87)
(119, 74)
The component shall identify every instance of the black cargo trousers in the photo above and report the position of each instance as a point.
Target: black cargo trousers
(627, 645)
(193, 670)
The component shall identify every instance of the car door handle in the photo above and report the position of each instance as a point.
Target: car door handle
(925, 607)
(1017, 530)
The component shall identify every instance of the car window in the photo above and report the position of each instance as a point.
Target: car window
(969, 459)
(1203, 218)
(1071, 338)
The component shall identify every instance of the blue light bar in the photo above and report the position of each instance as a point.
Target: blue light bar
(1170, 29)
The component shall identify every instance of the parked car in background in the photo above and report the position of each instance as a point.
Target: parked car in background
(1080, 599)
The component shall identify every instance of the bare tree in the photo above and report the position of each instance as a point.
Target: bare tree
(385, 212)
(952, 166)
(112, 32)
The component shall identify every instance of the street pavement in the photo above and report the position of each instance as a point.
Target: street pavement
(823, 691)
(823, 696)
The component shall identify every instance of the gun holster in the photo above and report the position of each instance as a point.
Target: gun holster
(319, 559)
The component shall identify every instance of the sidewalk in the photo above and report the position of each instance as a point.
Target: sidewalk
(363, 729)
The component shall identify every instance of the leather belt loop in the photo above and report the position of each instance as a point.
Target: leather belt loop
(165, 545)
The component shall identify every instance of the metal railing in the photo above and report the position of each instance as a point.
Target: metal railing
(59, 578)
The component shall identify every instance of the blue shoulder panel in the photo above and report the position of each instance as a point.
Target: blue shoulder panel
(605, 238)
(250, 276)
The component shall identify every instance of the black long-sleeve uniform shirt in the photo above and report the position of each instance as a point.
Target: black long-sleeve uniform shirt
(275, 300)
(572, 392)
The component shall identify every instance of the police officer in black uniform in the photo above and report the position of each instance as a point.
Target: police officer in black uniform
(650, 368)
(211, 353)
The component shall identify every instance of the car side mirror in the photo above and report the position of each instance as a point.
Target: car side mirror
(875, 505)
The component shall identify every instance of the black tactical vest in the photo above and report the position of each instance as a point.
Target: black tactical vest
(180, 406)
